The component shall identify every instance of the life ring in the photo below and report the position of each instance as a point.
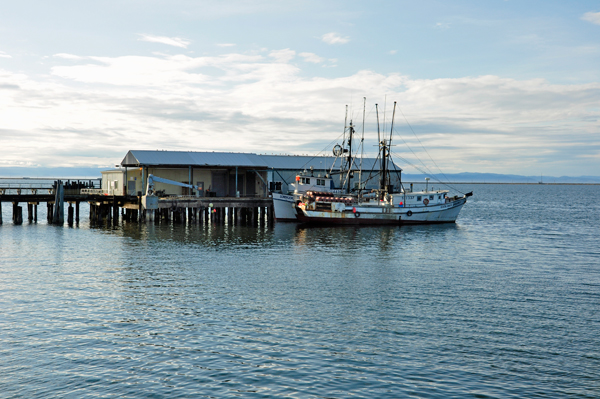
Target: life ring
(356, 214)
(426, 201)
(409, 213)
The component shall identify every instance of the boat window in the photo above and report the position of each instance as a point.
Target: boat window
(439, 197)
(320, 182)
(306, 180)
(418, 198)
(431, 197)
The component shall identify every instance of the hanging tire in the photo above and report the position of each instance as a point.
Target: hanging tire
(409, 213)
(356, 214)
(426, 201)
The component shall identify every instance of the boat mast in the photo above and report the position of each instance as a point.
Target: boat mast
(388, 180)
(379, 147)
(343, 148)
(349, 159)
(362, 147)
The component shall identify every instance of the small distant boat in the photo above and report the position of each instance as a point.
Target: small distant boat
(383, 206)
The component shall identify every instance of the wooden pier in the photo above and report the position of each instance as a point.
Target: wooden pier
(111, 209)
(184, 209)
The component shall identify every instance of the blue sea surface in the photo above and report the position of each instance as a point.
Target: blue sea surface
(503, 304)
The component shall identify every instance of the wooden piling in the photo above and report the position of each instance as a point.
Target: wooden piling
(70, 215)
(270, 216)
(0, 212)
(115, 213)
(17, 214)
(58, 216)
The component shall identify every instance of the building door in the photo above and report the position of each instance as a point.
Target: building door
(131, 187)
(185, 190)
(219, 183)
(240, 184)
(250, 184)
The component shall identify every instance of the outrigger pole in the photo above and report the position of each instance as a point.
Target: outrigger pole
(362, 147)
(351, 132)
(379, 147)
(343, 150)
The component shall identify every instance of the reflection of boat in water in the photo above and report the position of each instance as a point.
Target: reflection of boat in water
(382, 206)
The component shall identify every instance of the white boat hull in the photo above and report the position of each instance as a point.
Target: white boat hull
(284, 207)
(375, 214)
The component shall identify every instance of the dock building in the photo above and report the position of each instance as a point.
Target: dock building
(227, 174)
(225, 186)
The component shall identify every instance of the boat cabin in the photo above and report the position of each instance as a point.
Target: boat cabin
(420, 198)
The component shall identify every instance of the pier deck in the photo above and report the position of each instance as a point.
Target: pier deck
(105, 207)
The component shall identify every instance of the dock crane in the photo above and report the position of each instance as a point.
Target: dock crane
(150, 200)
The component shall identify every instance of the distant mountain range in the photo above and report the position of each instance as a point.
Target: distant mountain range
(466, 177)
(66, 173)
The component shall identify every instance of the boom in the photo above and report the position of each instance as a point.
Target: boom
(150, 200)
(152, 179)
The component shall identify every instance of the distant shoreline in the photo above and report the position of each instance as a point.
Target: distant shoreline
(404, 182)
(528, 184)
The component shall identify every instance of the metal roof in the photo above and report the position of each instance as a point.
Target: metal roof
(229, 159)
(186, 158)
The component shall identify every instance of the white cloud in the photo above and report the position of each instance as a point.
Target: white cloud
(4, 55)
(485, 123)
(334, 38)
(171, 41)
(392, 52)
(225, 44)
(68, 56)
(284, 55)
(593, 17)
(312, 57)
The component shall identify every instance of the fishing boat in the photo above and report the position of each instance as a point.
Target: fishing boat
(383, 206)
(284, 204)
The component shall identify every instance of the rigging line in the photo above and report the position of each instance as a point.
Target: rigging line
(372, 173)
(322, 151)
(411, 129)
(396, 169)
(362, 144)
(411, 150)
(430, 174)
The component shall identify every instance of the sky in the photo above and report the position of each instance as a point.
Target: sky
(496, 86)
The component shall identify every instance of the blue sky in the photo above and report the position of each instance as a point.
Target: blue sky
(487, 86)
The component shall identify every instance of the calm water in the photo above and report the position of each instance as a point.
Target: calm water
(503, 304)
